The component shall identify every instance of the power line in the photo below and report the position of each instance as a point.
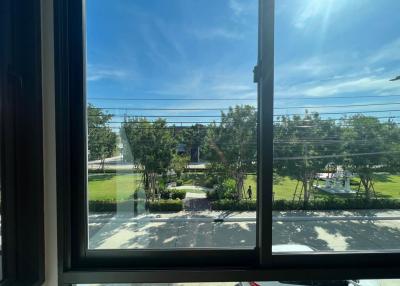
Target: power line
(334, 156)
(338, 113)
(244, 99)
(275, 108)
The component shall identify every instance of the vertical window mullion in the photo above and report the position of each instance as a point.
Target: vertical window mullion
(264, 74)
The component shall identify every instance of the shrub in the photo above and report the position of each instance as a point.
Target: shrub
(212, 195)
(231, 205)
(325, 204)
(165, 206)
(337, 204)
(178, 194)
(226, 190)
(165, 194)
(210, 182)
(111, 205)
(179, 183)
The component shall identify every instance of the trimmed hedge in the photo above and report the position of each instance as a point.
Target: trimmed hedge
(129, 205)
(231, 205)
(111, 206)
(165, 206)
(178, 194)
(173, 194)
(322, 205)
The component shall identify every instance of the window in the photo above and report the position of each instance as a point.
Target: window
(336, 126)
(136, 75)
(172, 124)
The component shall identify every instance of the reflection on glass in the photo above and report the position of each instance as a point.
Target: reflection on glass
(336, 130)
(172, 118)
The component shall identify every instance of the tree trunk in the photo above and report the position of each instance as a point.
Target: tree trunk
(239, 185)
(305, 192)
(365, 182)
(102, 163)
(146, 180)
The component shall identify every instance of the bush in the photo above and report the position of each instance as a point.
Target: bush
(179, 183)
(212, 195)
(178, 194)
(210, 182)
(165, 206)
(111, 205)
(231, 205)
(322, 205)
(337, 204)
(165, 194)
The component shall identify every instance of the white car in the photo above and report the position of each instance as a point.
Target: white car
(282, 248)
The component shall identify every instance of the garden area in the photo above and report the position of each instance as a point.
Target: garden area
(357, 156)
(106, 191)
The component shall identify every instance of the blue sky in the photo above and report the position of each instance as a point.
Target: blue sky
(191, 49)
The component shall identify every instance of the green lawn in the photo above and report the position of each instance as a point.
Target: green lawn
(112, 187)
(122, 186)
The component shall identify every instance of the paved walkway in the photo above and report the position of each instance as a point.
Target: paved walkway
(322, 231)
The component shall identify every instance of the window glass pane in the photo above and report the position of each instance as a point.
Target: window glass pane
(336, 130)
(172, 118)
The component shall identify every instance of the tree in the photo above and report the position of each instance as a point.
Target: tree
(151, 146)
(193, 137)
(101, 139)
(179, 164)
(233, 144)
(303, 146)
(369, 145)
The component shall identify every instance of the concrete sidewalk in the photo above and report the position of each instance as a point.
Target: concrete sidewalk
(322, 231)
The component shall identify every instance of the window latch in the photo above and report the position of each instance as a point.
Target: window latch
(257, 73)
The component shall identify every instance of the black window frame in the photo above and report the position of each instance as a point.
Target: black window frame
(21, 143)
(77, 264)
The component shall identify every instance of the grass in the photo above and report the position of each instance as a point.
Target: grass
(122, 186)
(118, 187)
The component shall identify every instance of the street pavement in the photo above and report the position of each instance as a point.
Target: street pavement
(322, 231)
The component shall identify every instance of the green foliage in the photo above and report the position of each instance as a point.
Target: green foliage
(231, 146)
(224, 190)
(337, 204)
(210, 181)
(165, 206)
(101, 139)
(298, 151)
(178, 194)
(111, 205)
(234, 205)
(165, 194)
(179, 164)
(193, 137)
(323, 205)
(368, 144)
(151, 146)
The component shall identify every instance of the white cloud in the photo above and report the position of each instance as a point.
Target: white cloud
(236, 6)
(389, 52)
(375, 85)
(217, 33)
(241, 7)
(96, 73)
